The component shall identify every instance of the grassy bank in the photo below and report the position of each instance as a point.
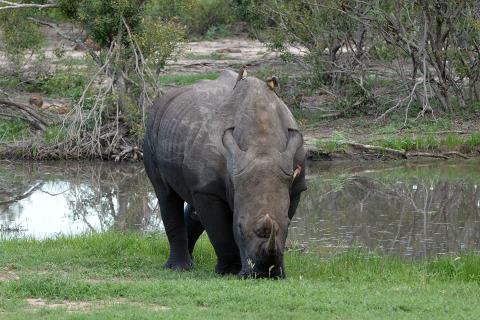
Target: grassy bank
(447, 137)
(120, 276)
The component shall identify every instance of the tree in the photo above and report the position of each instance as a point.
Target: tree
(424, 53)
(133, 47)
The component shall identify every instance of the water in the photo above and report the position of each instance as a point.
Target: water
(408, 209)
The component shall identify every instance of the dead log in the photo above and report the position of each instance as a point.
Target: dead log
(405, 155)
(426, 155)
(30, 115)
(396, 153)
(455, 153)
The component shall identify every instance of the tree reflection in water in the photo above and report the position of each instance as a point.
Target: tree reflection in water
(101, 195)
(118, 195)
(411, 210)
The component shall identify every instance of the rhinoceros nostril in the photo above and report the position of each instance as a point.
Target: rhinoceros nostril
(264, 226)
(262, 232)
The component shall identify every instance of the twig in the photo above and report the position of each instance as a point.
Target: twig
(32, 116)
(54, 26)
(17, 5)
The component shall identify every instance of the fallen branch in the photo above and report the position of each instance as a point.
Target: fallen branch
(402, 154)
(426, 155)
(397, 153)
(455, 153)
(35, 119)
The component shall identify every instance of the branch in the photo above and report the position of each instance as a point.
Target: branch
(34, 118)
(62, 34)
(8, 5)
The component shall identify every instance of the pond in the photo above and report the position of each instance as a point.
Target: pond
(414, 210)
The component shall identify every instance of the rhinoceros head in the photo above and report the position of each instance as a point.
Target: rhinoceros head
(262, 176)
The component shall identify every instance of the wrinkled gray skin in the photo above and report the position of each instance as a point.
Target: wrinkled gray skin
(231, 154)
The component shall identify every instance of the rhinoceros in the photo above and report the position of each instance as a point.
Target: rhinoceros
(236, 156)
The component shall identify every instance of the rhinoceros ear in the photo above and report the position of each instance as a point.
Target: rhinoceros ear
(295, 141)
(230, 144)
(272, 83)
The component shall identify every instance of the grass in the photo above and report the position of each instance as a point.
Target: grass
(11, 130)
(414, 142)
(54, 134)
(450, 142)
(119, 276)
(420, 125)
(334, 144)
(187, 79)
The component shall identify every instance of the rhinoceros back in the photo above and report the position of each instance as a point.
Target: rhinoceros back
(182, 132)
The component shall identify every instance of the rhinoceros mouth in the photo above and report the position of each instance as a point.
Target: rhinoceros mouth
(255, 274)
(272, 272)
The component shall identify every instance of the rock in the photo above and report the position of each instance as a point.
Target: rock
(57, 108)
(36, 101)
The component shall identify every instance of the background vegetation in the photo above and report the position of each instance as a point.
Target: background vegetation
(388, 60)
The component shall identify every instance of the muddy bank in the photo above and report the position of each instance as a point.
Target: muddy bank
(362, 152)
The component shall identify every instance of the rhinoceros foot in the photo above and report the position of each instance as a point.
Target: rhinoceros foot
(179, 265)
(224, 268)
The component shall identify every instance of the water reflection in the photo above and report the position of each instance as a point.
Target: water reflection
(42, 200)
(413, 210)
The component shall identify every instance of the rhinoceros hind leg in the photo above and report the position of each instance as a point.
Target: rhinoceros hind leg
(217, 219)
(171, 208)
(194, 226)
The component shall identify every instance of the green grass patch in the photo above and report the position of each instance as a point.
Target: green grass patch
(419, 125)
(54, 134)
(121, 276)
(334, 144)
(429, 142)
(432, 142)
(12, 130)
(187, 79)
(63, 84)
(217, 32)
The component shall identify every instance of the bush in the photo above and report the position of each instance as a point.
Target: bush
(198, 16)
(345, 43)
(20, 36)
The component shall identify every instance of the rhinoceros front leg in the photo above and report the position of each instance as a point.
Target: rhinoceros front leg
(171, 207)
(217, 220)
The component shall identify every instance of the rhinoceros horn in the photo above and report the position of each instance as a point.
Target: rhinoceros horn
(295, 140)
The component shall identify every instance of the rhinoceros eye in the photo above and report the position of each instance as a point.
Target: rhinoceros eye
(287, 171)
